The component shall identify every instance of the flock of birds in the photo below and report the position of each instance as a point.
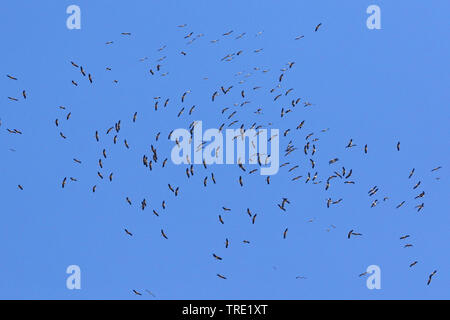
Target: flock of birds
(282, 98)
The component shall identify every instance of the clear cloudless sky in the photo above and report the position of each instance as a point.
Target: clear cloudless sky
(376, 87)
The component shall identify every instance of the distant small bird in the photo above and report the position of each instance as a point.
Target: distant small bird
(333, 160)
(363, 274)
(137, 293)
(350, 233)
(413, 264)
(431, 276)
(420, 206)
(401, 203)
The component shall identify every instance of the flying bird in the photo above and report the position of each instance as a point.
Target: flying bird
(137, 293)
(431, 276)
(350, 233)
(333, 161)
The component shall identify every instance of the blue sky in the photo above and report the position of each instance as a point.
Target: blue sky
(376, 87)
